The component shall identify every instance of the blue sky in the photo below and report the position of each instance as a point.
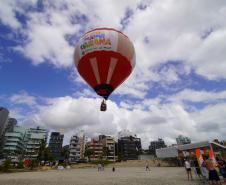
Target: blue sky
(179, 81)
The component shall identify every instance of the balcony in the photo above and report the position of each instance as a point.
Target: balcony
(74, 150)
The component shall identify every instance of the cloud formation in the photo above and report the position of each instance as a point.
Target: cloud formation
(150, 120)
(23, 98)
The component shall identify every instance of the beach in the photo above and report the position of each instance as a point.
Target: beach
(90, 176)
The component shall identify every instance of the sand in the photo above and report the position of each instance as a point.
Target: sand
(122, 176)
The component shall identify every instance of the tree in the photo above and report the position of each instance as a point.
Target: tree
(65, 153)
(44, 153)
(120, 157)
(20, 165)
(88, 153)
(41, 152)
(7, 165)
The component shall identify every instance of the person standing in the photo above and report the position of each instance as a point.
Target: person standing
(187, 166)
(147, 166)
(213, 175)
(99, 167)
(221, 166)
(197, 168)
(204, 170)
(224, 168)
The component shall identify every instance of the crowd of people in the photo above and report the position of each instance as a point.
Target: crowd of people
(209, 170)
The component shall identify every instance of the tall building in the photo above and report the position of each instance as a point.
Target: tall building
(156, 145)
(129, 147)
(108, 147)
(77, 147)
(12, 122)
(33, 139)
(14, 146)
(4, 115)
(181, 140)
(55, 144)
(97, 148)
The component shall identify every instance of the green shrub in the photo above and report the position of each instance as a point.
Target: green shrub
(20, 165)
(6, 165)
(64, 164)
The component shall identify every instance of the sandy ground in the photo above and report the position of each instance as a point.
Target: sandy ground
(122, 176)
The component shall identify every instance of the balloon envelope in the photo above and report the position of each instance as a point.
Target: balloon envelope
(104, 57)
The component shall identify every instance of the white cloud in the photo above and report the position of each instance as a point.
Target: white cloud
(7, 14)
(173, 31)
(210, 58)
(198, 96)
(211, 121)
(46, 33)
(149, 120)
(23, 98)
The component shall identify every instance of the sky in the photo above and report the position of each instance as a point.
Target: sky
(178, 86)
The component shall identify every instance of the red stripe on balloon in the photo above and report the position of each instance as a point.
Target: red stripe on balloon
(122, 69)
(86, 71)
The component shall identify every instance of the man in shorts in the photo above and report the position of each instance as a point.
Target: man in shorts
(213, 175)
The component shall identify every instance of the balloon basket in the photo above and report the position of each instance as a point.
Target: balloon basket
(103, 106)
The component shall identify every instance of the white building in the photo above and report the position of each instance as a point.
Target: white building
(14, 142)
(33, 140)
(77, 147)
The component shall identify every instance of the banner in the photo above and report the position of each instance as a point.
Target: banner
(200, 160)
(199, 156)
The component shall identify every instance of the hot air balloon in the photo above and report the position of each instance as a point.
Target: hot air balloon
(104, 57)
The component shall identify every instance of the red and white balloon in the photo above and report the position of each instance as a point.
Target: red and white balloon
(104, 58)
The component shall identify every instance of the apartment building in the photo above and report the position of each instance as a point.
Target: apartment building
(97, 148)
(33, 139)
(77, 147)
(108, 147)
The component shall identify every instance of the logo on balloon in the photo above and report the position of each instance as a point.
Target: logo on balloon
(95, 41)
